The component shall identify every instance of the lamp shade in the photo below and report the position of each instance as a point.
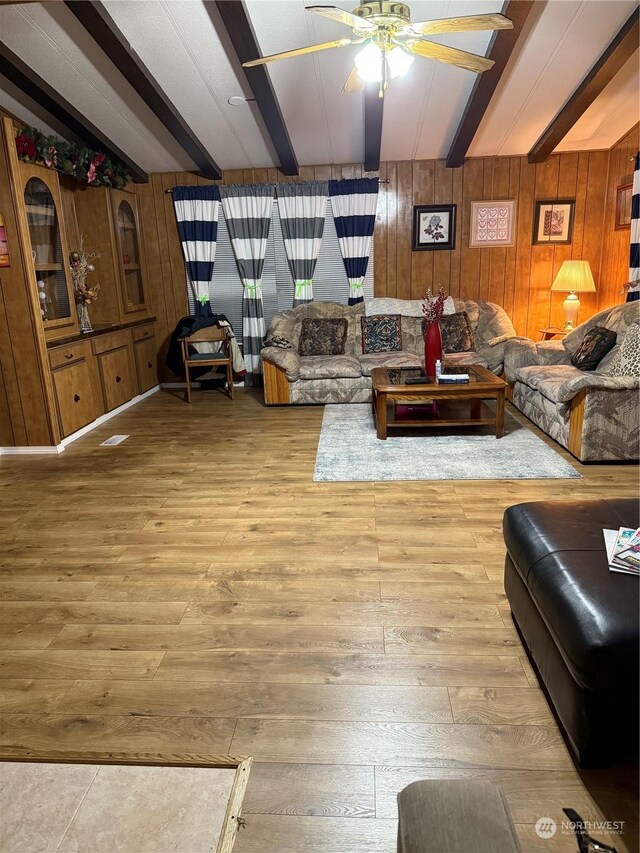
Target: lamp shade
(574, 277)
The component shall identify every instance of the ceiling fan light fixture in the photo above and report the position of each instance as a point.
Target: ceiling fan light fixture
(369, 63)
(399, 61)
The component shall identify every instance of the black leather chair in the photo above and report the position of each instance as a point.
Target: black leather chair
(578, 620)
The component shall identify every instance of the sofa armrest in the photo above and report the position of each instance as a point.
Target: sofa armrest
(287, 359)
(604, 425)
(518, 352)
(493, 350)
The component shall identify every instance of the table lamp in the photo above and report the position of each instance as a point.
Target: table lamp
(573, 277)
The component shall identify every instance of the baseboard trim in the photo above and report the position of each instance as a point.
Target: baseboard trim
(59, 448)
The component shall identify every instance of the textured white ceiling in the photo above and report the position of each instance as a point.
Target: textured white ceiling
(187, 54)
(558, 47)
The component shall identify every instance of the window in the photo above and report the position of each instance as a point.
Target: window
(329, 282)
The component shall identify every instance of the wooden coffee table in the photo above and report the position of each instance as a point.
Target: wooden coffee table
(429, 405)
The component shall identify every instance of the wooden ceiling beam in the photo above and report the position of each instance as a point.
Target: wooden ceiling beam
(373, 114)
(502, 45)
(243, 40)
(63, 113)
(619, 51)
(102, 28)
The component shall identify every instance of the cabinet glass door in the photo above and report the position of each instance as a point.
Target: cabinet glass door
(46, 251)
(130, 256)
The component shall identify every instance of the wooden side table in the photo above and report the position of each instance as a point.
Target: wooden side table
(552, 332)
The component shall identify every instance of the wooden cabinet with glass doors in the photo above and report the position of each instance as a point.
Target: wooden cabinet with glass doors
(47, 241)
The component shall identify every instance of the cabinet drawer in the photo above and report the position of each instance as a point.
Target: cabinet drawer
(145, 357)
(142, 332)
(117, 379)
(103, 343)
(60, 356)
(76, 401)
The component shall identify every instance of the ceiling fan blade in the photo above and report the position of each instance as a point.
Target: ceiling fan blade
(354, 82)
(461, 25)
(450, 55)
(342, 17)
(299, 51)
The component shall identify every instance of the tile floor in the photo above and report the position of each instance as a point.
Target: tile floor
(74, 808)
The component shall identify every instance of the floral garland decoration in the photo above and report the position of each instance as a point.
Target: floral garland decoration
(94, 167)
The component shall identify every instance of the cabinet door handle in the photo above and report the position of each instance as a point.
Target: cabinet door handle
(146, 334)
(118, 378)
(69, 355)
(76, 398)
(149, 364)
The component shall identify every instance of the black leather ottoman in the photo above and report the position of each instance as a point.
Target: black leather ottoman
(578, 620)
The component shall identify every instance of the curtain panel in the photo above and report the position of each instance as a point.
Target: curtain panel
(302, 209)
(197, 211)
(247, 213)
(633, 292)
(354, 204)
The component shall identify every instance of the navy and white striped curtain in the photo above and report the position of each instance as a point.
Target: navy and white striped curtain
(354, 204)
(633, 292)
(197, 216)
(302, 210)
(247, 213)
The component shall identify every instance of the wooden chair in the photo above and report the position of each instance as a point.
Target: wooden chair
(212, 334)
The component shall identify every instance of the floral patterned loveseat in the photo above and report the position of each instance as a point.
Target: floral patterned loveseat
(293, 378)
(595, 414)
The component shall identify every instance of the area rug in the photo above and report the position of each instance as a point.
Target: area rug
(348, 450)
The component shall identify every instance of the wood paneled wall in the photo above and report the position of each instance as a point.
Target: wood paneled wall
(519, 278)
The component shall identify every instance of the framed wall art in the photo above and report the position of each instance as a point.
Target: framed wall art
(434, 226)
(553, 221)
(493, 223)
(624, 194)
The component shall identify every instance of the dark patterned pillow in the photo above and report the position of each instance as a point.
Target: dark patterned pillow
(456, 332)
(323, 336)
(278, 341)
(381, 333)
(593, 348)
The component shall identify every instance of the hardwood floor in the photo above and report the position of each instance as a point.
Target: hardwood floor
(192, 590)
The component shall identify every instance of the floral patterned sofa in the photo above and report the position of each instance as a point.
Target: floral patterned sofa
(293, 378)
(595, 414)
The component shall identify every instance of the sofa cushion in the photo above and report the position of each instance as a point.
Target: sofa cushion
(329, 367)
(381, 333)
(459, 359)
(549, 379)
(593, 348)
(558, 550)
(388, 359)
(456, 333)
(322, 336)
(627, 360)
(406, 307)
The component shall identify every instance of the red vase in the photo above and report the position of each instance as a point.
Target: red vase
(432, 349)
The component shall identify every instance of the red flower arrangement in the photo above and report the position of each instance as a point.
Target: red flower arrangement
(26, 147)
(82, 163)
(433, 306)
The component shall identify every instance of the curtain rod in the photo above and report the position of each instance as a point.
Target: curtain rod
(381, 181)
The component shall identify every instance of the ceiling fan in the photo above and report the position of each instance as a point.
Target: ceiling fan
(392, 40)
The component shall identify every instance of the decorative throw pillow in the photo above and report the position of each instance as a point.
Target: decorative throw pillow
(456, 332)
(627, 361)
(593, 348)
(278, 341)
(381, 333)
(323, 336)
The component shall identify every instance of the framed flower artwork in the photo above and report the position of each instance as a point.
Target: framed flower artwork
(434, 226)
(553, 221)
(492, 224)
